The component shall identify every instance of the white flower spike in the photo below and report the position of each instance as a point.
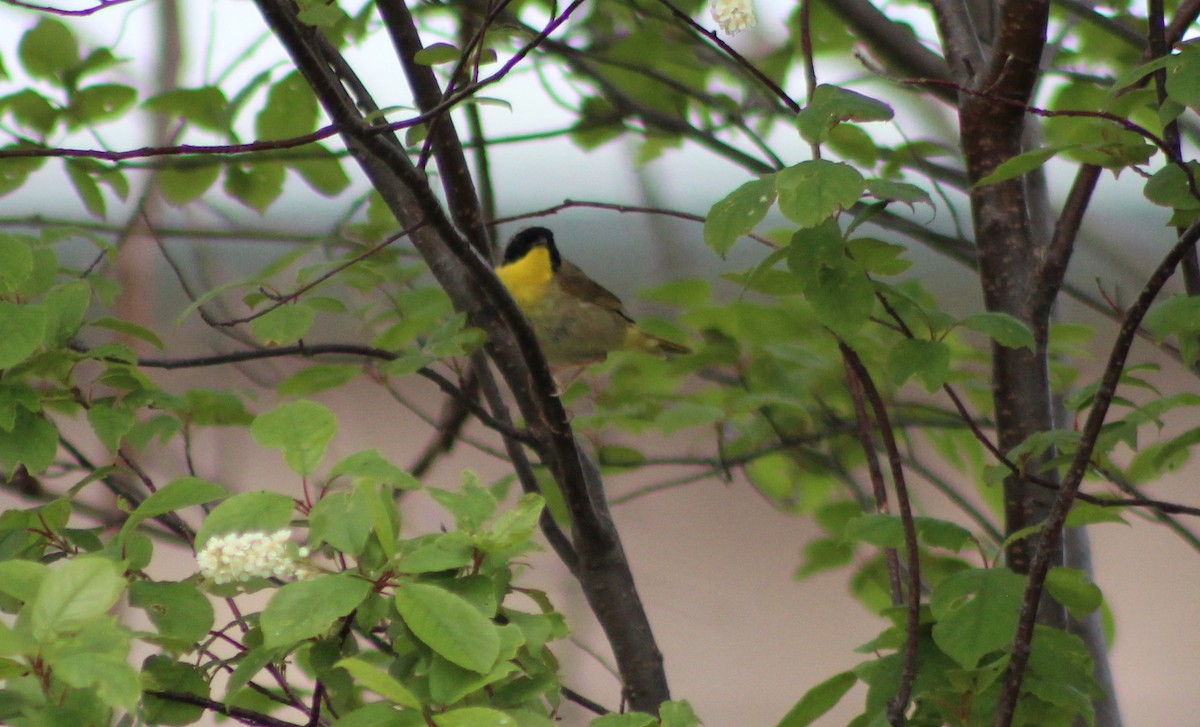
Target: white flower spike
(237, 557)
(733, 16)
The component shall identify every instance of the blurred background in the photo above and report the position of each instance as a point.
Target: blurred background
(715, 561)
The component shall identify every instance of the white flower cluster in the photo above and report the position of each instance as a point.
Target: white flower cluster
(733, 16)
(235, 557)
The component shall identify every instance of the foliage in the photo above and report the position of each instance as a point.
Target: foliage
(829, 363)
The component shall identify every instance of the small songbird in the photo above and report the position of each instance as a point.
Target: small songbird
(577, 321)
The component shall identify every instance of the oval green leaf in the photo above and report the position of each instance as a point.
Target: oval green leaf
(449, 625)
(309, 608)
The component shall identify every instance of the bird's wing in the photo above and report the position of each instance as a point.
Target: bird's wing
(575, 283)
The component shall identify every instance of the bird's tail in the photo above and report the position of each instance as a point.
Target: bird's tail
(639, 340)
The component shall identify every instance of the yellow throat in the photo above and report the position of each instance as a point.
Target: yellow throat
(527, 279)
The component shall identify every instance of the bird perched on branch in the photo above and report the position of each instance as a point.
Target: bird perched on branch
(577, 321)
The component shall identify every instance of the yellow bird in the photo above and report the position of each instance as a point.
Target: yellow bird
(577, 321)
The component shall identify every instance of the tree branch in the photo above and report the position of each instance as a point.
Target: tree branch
(447, 149)
(1052, 532)
(908, 670)
(604, 571)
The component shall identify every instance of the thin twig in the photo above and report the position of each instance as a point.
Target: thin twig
(241, 714)
(325, 349)
(878, 486)
(81, 12)
(908, 670)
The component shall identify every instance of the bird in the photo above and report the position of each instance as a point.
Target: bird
(576, 320)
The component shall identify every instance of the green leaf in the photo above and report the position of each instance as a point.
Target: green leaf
(44, 275)
(184, 183)
(283, 324)
(811, 192)
(32, 110)
(436, 552)
(1183, 75)
(247, 512)
(628, 719)
(178, 494)
(1085, 513)
(449, 683)
(14, 172)
(878, 529)
(689, 292)
(86, 187)
(205, 107)
(65, 307)
(328, 17)
(942, 533)
(382, 714)
(917, 357)
(616, 455)
(437, 53)
(250, 663)
(833, 105)
(824, 554)
(474, 717)
(689, 414)
(1018, 165)
(48, 50)
(100, 59)
(819, 700)
(309, 608)
(255, 185)
(1071, 588)
(100, 103)
(449, 625)
(205, 408)
(32, 441)
(371, 466)
(324, 173)
(976, 613)
(342, 519)
(300, 429)
(291, 110)
(776, 475)
(471, 507)
(1169, 187)
(678, 714)
(110, 421)
(854, 145)
(738, 213)
(21, 579)
(1002, 328)
(1060, 675)
(16, 262)
(816, 249)
(319, 378)
(514, 526)
(177, 609)
(1179, 314)
(379, 681)
(842, 297)
(94, 657)
(890, 191)
(22, 329)
(131, 330)
(878, 257)
(75, 591)
(161, 673)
